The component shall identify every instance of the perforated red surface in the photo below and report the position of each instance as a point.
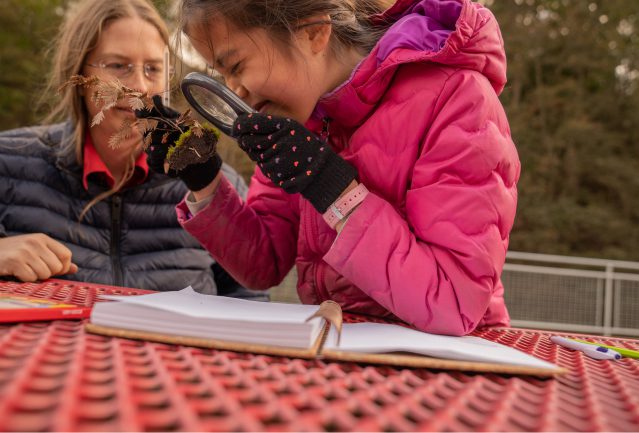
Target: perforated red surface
(54, 376)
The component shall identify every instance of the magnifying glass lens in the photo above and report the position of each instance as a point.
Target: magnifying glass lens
(214, 106)
(214, 101)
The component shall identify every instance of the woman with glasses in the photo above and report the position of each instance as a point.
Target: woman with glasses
(71, 206)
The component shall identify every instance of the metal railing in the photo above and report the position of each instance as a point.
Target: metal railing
(576, 294)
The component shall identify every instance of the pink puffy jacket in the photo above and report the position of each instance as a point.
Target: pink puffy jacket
(421, 121)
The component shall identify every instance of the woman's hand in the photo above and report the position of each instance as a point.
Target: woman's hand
(34, 257)
(196, 176)
(294, 158)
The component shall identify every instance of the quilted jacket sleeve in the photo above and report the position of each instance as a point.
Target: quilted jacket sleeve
(438, 266)
(255, 240)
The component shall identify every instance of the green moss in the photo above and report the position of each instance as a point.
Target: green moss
(208, 127)
(185, 136)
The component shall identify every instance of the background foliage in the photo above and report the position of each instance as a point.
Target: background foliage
(572, 101)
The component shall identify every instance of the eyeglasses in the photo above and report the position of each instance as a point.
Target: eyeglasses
(152, 71)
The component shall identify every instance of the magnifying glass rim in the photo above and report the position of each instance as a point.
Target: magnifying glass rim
(196, 79)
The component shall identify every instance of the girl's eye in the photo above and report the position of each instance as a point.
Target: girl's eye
(235, 69)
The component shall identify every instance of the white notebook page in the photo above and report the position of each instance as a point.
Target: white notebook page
(384, 338)
(190, 303)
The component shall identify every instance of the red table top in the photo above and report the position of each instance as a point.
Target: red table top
(56, 377)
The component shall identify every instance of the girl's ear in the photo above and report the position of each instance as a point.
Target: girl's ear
(317, 31)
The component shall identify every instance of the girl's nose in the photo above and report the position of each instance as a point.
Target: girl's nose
(241, 92)
(237, 88)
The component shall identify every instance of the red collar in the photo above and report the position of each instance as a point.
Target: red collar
(94, 166)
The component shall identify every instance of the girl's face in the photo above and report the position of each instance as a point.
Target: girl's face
(124, 42)
(266, 75)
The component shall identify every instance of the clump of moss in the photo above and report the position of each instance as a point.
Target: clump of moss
(193, 148)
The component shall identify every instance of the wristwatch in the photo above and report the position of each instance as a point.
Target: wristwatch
(344, 205)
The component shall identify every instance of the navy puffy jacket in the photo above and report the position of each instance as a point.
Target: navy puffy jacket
(130, 239)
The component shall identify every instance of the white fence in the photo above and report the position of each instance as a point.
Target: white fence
(572, 293)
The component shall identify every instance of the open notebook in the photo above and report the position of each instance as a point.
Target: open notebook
(307, 331)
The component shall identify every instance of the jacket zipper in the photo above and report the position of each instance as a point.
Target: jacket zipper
(313, 230)
(116, 228)
(324, 134)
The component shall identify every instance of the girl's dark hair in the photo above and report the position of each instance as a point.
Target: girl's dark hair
(350, 19)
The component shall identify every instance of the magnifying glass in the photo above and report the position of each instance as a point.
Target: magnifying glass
(214, 101)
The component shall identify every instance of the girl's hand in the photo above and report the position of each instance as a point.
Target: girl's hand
(195, 176)
(294, 158)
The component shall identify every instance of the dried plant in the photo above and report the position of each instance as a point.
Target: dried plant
(197, 145)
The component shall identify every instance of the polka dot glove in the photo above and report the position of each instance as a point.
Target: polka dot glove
(195, 176)
(294, 158)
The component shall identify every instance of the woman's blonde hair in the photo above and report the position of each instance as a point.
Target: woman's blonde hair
(78, 36)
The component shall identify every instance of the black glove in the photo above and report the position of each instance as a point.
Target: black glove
(294, 158)
(195, 176)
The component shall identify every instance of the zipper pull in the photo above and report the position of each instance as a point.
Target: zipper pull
(324, 134)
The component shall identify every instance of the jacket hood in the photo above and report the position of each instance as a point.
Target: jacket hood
(452, 33)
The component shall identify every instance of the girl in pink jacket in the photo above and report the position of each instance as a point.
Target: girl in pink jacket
(385, 168)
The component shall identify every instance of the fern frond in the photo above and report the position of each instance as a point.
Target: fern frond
(136, 103)
(97, 119)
